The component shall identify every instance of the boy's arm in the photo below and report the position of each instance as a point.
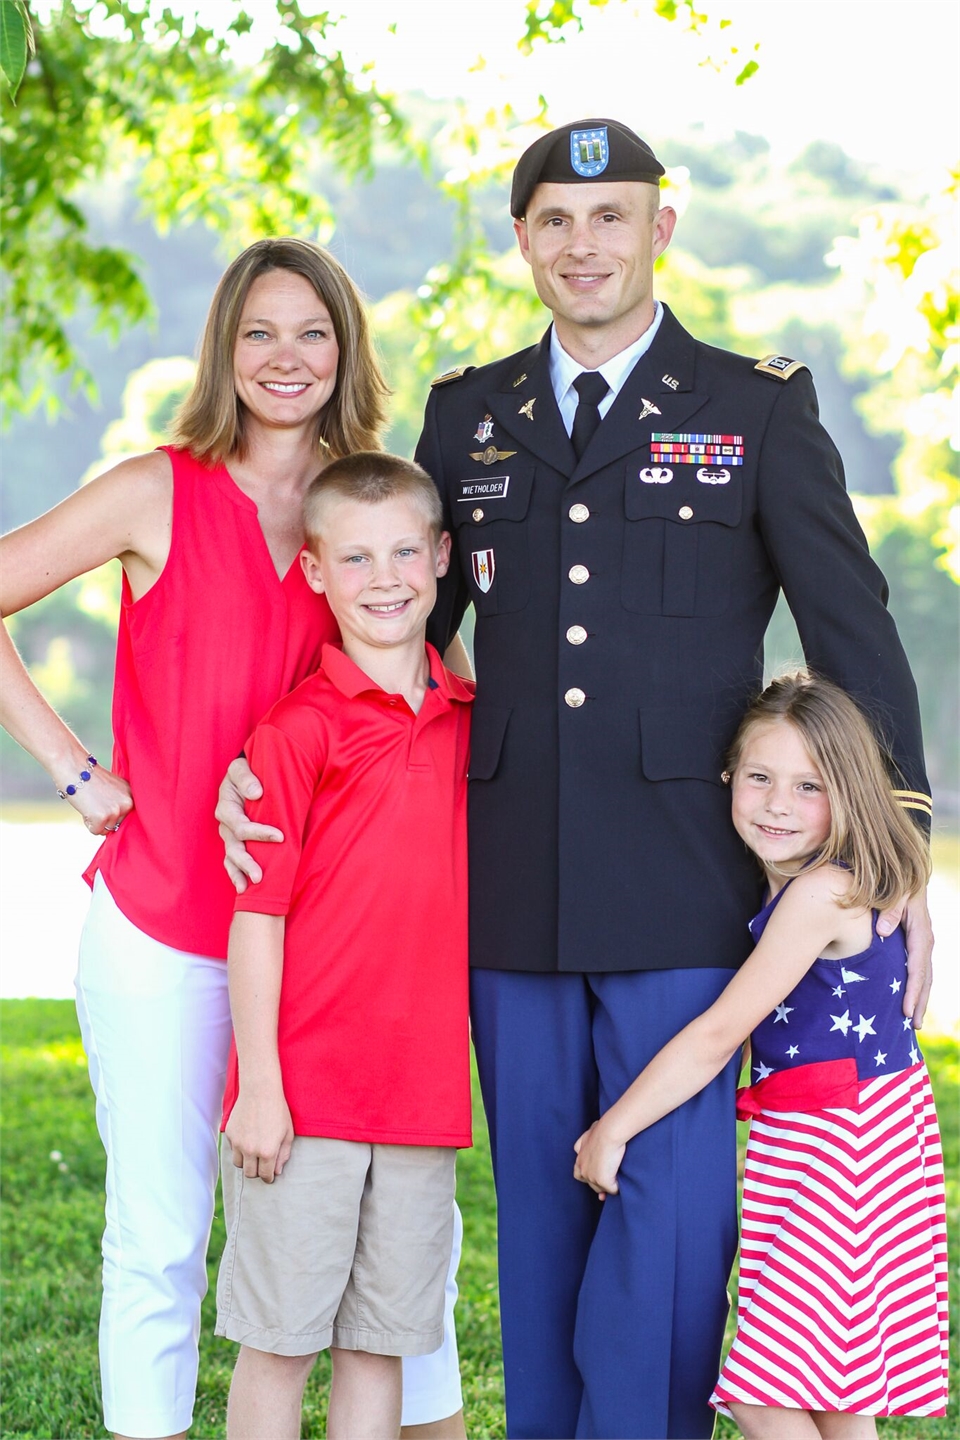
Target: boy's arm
(260, 1129)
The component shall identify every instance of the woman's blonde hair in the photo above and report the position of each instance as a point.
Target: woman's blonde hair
(870, 834)
(211, 421)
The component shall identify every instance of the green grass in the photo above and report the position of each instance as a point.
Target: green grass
(53, 1216)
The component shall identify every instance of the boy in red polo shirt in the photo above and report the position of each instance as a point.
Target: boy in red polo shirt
(348, 1089)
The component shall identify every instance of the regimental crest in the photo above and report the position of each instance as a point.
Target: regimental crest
(484, 430)
(484, 569)
(589, 151)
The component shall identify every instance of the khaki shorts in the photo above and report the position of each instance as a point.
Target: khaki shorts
(349, 1247)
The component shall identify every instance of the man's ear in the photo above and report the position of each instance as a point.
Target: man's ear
(663, 228)
(311, 571)
(443, 554)
(520, 230)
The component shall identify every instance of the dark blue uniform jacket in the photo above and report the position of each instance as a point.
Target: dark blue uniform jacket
(621, 604)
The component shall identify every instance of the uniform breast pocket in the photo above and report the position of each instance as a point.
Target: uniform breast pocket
(489, 515)
(679, 539)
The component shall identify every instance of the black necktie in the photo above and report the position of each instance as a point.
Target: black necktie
(591, 387)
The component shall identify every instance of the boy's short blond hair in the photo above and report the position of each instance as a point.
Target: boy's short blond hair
(370, 477)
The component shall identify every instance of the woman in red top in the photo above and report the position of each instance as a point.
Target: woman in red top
(217, 622)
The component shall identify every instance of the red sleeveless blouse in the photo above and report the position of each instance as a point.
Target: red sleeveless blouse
(200, 658)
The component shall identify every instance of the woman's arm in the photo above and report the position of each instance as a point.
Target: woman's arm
(260, 1130)
(125, 514)
(805, 922)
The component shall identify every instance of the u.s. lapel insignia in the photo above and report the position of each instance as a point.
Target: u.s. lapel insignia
(491, 455)
(527, 409)
(484, 569)
(484, 430)
(648, 408)
(520, 379)
(671, 381)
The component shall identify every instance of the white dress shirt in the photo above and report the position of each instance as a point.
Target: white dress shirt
(564, 370)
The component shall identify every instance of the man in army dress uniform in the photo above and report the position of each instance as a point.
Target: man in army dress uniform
(627, 504)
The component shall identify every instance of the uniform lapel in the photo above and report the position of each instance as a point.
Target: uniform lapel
(525, 409)
(662, 378)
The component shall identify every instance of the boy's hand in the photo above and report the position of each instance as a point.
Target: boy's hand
(260, 1132)
(598, 1160)
(239, 785)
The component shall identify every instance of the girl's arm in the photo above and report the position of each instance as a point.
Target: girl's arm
(806, 921)
(125, 514)
(260, 1129)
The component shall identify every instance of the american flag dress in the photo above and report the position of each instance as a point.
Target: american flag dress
(843, 1251)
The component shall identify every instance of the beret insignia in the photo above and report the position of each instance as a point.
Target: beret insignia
(781, 367)
(450, 375)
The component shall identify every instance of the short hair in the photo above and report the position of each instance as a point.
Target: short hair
(211, 422)
(870, 834)
(370, 477)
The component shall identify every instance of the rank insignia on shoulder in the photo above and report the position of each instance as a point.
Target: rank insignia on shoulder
(449, 375)
(781, 367)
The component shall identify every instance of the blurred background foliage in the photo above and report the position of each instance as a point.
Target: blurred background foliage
(144, 150)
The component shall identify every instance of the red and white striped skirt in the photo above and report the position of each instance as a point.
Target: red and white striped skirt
(843, 1258)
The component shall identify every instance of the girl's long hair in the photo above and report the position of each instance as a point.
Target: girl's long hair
(886, 854)
(211, 422)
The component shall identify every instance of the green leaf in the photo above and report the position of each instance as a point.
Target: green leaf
(14, 43)
(749, 69)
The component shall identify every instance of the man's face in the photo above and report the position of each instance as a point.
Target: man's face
(591, 248)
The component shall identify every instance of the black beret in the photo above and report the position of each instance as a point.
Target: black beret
(584, 150)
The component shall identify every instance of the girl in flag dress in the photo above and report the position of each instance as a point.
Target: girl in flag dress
(843, 1288)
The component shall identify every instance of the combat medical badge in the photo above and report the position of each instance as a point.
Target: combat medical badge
(484, 569)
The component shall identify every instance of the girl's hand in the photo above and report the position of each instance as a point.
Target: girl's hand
(598, 1160)
(260, 1132)
(102, 801)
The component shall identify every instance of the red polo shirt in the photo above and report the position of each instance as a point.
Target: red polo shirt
(372, 879)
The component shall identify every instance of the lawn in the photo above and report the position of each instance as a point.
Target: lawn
(52, 1218)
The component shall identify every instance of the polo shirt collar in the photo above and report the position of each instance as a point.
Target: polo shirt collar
(351, 681)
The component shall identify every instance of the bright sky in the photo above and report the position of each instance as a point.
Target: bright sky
(876, 76)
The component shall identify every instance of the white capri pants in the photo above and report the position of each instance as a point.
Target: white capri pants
(156, 1028)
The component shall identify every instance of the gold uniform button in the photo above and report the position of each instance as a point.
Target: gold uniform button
(478, 514)
(574, 698)
(576, 634)
(578, 513)
(685, 512)
(579, 574)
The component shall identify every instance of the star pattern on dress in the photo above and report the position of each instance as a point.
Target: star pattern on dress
(865, 1027)
(895, 986)
(879, 1058)
(782, 1011)
(763, 1071)
(841, 1022)
(839, 992)
(794, 1050)
(907, 1023)
(914, 1054)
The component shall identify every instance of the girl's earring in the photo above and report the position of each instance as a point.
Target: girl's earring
(726, 777)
